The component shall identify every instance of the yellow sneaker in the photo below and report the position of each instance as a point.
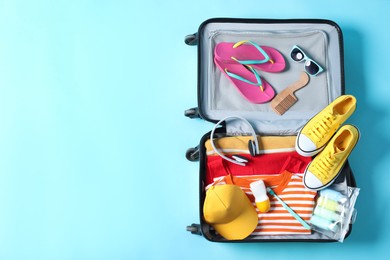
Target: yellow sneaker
(312, 138)
(327, 165)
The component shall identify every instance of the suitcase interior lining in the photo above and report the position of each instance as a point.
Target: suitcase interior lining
(219, 98)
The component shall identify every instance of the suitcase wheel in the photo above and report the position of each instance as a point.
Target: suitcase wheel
(191, 39)
(192, 154)
(192, 113)
(194, 229)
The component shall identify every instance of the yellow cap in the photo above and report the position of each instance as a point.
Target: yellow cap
(230, 212)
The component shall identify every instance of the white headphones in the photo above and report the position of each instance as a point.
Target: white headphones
(253, 145)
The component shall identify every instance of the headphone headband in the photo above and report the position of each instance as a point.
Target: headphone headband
(253, 144)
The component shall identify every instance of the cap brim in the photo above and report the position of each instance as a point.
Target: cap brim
(240, 227)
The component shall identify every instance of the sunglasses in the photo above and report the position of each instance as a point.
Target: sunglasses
(311, 67)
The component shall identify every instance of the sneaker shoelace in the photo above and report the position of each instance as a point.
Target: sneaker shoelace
(322, 127)
(325, 166)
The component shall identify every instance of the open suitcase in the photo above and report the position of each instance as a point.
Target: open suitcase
(218, 98)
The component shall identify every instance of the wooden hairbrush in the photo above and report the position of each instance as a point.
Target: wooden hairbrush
(285, 99)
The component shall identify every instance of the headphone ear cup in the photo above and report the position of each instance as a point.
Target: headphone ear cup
(252, 148)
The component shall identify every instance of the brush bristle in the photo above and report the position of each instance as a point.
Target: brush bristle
(285, 104)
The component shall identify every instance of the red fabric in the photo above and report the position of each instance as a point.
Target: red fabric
(273, 163)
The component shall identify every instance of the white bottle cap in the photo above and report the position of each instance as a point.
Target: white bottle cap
(259, 191)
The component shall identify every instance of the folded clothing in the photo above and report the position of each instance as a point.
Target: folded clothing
(273, 163)
(277, 153)
(239, 144)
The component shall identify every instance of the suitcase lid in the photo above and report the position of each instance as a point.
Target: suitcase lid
(320, 39)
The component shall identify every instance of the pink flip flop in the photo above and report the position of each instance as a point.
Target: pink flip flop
(247, 81)
(246, 52)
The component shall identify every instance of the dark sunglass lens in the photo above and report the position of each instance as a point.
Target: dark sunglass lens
(296, 54)
(311, 68)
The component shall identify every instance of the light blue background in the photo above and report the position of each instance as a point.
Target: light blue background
(92, 134)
